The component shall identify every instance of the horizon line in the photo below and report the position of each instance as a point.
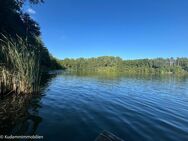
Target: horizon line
(150, 58)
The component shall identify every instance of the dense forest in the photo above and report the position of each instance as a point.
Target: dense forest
(23, 55)
(116, 64)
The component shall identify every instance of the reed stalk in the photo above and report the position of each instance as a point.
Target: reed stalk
(20, 67)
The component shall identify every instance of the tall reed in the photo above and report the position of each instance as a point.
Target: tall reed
(20, 66)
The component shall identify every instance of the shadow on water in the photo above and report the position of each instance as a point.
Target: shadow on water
(19, 113)
(15, 117)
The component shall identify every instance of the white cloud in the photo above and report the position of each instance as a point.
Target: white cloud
(31, 11)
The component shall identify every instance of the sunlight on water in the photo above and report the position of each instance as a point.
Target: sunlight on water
(80, 106)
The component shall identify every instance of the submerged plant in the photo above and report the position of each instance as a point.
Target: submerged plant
(20, 66)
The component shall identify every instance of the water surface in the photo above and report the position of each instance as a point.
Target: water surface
(77, 107)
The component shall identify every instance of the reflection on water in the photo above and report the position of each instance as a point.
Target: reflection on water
(78, 106)
(19, 113)
(15, 117)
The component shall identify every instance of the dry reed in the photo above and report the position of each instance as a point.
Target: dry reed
(20, 67)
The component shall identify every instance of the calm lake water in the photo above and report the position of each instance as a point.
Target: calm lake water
(77, 107)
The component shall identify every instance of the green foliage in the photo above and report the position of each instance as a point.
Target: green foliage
(14, 22)
(17, 75)
(23, 55)
(139, 66)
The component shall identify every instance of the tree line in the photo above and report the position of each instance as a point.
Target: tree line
(117, 64)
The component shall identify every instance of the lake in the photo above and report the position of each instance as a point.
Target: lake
(79, 106)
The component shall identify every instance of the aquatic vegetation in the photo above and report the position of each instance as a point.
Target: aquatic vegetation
(20, 67)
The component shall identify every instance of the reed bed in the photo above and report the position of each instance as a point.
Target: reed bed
(19, 68)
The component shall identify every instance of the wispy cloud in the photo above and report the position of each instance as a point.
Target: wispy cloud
(31, 11)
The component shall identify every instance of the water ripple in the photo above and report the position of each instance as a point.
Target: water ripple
(144, 109)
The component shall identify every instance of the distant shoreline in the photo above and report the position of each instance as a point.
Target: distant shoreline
(116, 64)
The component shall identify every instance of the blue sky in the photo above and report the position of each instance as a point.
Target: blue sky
(126, 28)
